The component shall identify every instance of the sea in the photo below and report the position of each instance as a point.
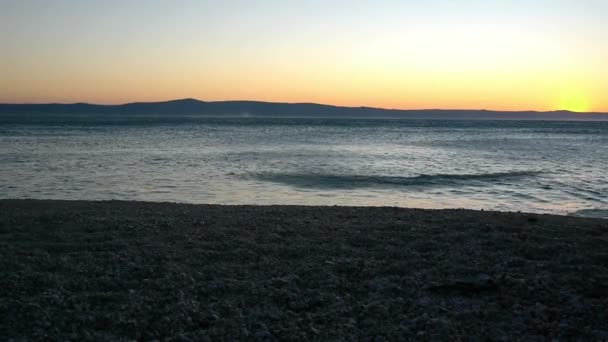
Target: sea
(556, 167)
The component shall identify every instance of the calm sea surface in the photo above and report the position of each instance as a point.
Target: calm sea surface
(546, 167)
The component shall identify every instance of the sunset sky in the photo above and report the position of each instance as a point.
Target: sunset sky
(503, 55)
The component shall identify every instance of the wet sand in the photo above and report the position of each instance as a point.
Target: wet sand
(130, 270)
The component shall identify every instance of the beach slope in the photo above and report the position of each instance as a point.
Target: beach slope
(117, 270)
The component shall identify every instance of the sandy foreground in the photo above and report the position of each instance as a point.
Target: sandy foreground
(130, 270)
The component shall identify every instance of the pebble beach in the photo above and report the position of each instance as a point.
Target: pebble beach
(117, 270)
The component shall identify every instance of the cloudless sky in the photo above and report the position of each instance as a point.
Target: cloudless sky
(472, 54)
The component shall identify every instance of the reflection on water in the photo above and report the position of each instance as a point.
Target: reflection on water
(555, 167)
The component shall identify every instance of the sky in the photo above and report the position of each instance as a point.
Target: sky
(450, 54)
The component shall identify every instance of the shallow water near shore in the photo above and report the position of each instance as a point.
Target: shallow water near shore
(532, 166)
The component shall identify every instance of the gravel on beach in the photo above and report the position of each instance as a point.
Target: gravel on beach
(114, 270)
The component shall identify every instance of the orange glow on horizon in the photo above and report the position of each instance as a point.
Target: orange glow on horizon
(387, 54)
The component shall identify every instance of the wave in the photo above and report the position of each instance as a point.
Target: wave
(330, 181)
(593, 213)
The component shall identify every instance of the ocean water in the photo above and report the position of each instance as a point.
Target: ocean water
(532, 166)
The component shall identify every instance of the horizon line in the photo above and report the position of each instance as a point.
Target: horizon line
(301, 103)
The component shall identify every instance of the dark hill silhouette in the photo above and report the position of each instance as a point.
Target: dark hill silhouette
(272, 109)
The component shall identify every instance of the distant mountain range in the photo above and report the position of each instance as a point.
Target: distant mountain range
(272, 109)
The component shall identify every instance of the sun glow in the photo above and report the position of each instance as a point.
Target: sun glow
(574, 102)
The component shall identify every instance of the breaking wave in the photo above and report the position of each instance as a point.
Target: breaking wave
(330, 181)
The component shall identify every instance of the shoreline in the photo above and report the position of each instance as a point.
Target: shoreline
(117, 270)
(595, 213)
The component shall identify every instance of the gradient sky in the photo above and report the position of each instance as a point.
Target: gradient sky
(469, 54)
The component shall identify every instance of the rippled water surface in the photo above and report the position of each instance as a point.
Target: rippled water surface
(554, 167)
